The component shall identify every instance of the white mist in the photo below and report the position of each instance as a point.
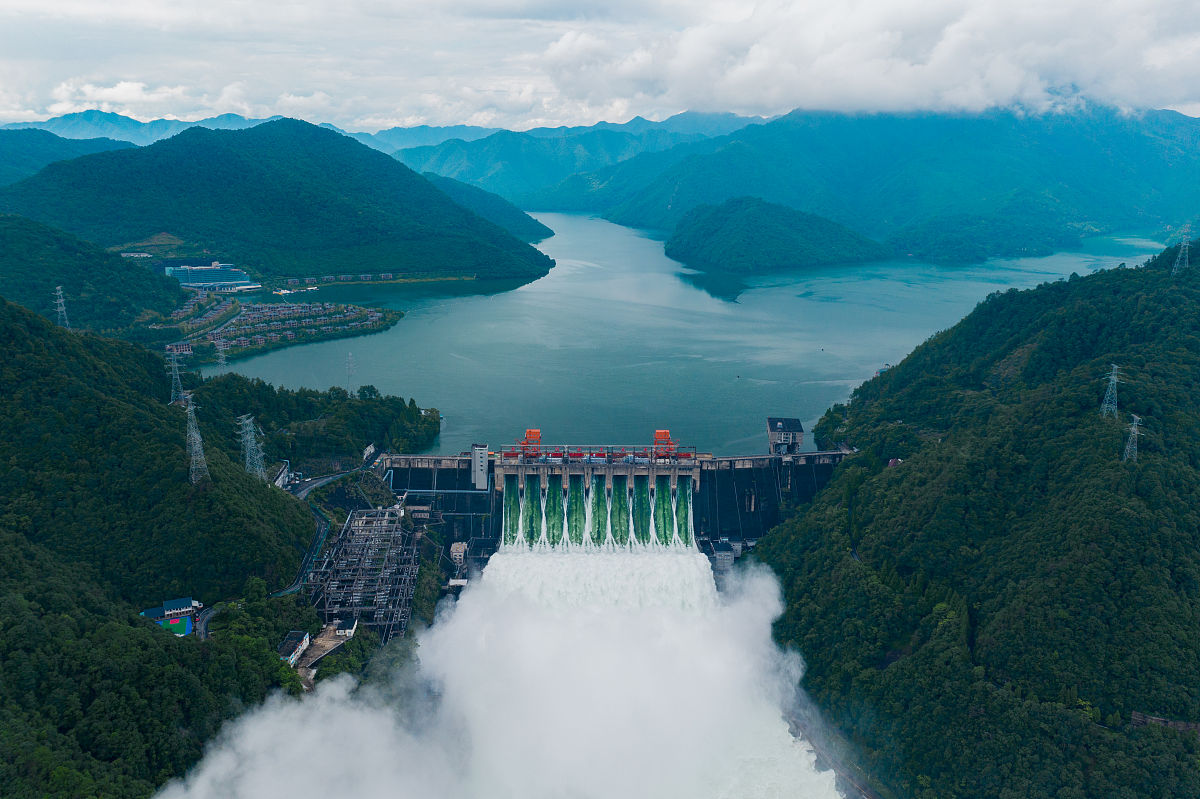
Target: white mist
(560, 675)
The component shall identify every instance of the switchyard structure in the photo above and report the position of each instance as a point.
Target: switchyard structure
(368, 571)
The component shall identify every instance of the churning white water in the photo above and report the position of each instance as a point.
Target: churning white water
(557, 675)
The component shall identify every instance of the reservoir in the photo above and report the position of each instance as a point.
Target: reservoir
(616, 341)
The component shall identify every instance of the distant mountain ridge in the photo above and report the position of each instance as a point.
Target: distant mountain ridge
(955, 187)
(100, 124)
(96, 124)
(24, 152)
(284, 198)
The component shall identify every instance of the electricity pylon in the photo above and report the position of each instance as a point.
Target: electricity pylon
(1109, 406)
(1131, 442)
(177, 394)
(350, 370)
(221, 345)
(252, 452)
(199, 466)
(60, 305)
(1182, 259)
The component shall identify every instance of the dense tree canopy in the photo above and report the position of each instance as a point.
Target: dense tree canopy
(749, 236)
(983, 616)
(98, 520)
(103, 292)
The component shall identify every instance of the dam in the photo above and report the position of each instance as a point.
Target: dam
(659, 494)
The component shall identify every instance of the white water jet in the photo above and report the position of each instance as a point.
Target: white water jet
(580, 674)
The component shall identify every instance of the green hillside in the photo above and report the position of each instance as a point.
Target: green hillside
(983, 618)
(940, 186)
(748, 236)
(285, 199)
(24, 152)
(491, 207)
(103, 291)
(98, 520)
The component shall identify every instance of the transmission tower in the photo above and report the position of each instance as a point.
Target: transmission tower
(60, 304)
(221, 345)
(199, 466)
(1131, 443)
(1109, 406)
(1182, 260)
(177, 394)
(252, 451)
(350, 370)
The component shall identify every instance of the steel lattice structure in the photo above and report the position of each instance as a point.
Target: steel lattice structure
(1109, 406)
(60, 304)
(198, 470)
(1183, 258)
(368, 571)
(177, 394)
(252, 451)
(1131, 442)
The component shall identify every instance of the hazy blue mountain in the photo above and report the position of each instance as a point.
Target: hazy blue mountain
(24, 152)
(514, 165)
(393, 139)
(94, 124)
(955, 187)
(748, 236)
(285, 199)
(491, 207)
(696, 123)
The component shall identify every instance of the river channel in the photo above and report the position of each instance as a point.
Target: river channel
(616, 342)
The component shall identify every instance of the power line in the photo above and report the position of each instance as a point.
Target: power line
(1131, 442)
(60, 305)
(350, 369)
(1109, 406)
(198, 470)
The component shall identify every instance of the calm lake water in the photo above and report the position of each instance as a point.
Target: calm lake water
(616, 342)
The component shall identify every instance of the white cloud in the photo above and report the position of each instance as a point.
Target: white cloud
(524, 62)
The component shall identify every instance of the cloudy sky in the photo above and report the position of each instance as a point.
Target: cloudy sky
(369, 64)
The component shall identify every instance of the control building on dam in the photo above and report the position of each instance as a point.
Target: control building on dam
(547, 492)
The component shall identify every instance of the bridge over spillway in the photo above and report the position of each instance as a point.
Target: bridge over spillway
(530, 491)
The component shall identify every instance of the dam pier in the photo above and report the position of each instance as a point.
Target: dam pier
(659, 494)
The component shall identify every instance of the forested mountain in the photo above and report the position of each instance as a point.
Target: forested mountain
(24, 152)
(749, 236)
(514, 165)
(491, 207)
(284, 198)
(103, 291)
(98, 520)
(987, 592)
(948, 187)
(93, 123)
(306, 426)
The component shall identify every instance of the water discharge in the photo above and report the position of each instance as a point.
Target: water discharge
(573, 672)
(581, 514)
